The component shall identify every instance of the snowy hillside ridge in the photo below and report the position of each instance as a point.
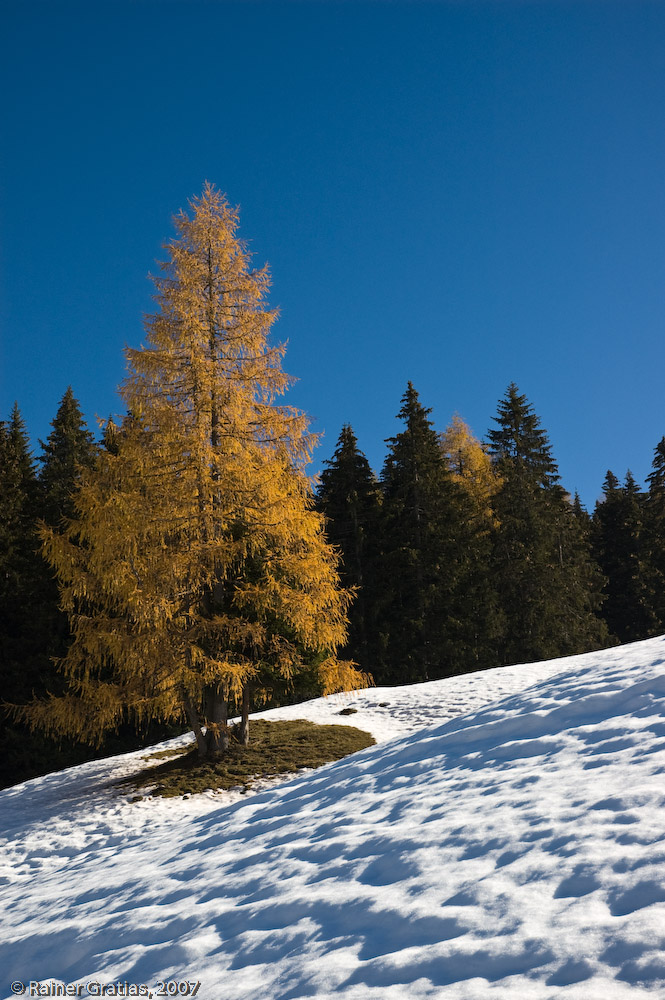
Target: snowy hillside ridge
(505, 838)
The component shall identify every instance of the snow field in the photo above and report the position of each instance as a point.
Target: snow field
(504, 839)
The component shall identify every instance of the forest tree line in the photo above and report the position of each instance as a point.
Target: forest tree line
(462, 555)
(467, 555)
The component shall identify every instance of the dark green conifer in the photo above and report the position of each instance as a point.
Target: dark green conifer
(69, 448)
(426, 625)
(19, 561)
(23, 576)
(656, 478)
(546, 580)
(581, 513)
(654, 513)
(33, 630)
(349, 497)
(621, 551)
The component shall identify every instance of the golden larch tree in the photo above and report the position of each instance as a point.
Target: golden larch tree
(196, 563)
(471, 465)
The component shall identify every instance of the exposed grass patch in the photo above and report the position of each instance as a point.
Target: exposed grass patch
(174, 752)
(275, 748)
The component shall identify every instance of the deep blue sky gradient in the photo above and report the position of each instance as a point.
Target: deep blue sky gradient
(460, 194)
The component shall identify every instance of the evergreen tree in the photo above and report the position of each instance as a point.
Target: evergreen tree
(196, 565)
(546, 579)
(654, 514)
(20, 565)
(18, 496)
(581, 513)
(23, 582)
(349, 498)
(425, 622)
(69, 448)
(620, 549)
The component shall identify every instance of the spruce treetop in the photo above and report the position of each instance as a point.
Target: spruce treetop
(656, 478)
(17, 467)
(348, 469)
(520, 441)
(69, 448)
(610, 484)
(579, 510)
(414, 454)
(18, 445)
(630, 486)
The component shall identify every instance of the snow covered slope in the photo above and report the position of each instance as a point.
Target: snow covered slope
(505, 839)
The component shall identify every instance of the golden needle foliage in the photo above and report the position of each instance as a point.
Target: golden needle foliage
(471, 465)
(196, 562)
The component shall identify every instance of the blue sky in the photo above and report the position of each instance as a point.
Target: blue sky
(460, 194)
